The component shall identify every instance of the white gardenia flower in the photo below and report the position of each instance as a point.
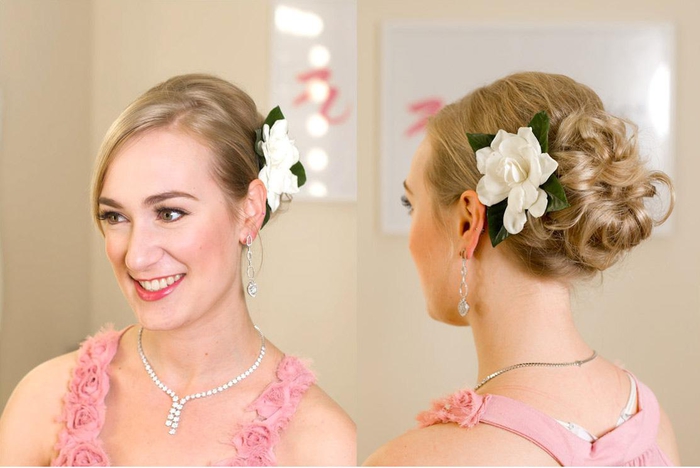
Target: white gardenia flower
(514, 167)
(280, 155)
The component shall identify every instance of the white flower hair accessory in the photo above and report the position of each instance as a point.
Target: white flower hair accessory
(519, 177)
(278, 160)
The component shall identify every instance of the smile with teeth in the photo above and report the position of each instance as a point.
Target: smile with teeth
(158, 284)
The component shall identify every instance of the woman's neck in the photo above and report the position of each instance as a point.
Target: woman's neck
(207, 351)
(518, 318)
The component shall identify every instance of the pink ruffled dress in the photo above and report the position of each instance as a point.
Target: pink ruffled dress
(84, 409)
(632, 443)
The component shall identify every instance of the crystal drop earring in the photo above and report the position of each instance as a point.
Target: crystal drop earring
(250, 271)
(463, 307)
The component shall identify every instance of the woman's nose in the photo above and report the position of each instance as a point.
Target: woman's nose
(144, 249)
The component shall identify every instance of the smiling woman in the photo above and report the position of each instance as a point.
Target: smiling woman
(177, 196)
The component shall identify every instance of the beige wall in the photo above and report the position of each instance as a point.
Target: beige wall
(646, 313)
(45, 60)
(306, 304)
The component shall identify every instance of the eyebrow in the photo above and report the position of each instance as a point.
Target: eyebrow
(150, 201)
(406, 187)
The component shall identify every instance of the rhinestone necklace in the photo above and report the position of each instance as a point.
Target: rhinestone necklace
(535, 364)
(179, 402)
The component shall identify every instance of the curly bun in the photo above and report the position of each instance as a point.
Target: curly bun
(605, 179)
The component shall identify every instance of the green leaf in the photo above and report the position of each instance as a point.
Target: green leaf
(268, 210)
(479, 140)
(556, 198)
(540, 127)
(494, 216)
(274, 115)
(298, 170)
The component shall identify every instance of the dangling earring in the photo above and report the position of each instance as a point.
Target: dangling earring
(250, 271)
(463, 307)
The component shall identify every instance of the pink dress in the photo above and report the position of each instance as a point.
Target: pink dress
(84, 409)
(633, 443)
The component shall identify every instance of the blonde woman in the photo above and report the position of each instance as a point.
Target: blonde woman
(186, 178)
(519, 190)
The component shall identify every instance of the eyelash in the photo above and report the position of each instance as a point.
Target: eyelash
(406, 204)
(164, 209)
(107, 215)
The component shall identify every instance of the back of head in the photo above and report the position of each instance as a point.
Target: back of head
(215, 112)
(604, 178)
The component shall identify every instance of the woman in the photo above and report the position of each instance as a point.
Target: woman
(186, 177)
(520, 189)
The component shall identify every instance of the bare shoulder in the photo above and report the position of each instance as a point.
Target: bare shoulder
(449, 444)
(667, 439)
(28, 426)
(320, 432)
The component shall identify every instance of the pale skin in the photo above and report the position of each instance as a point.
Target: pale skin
(533, 322)
(197, 337)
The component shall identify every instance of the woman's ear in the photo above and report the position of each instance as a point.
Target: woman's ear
(472, 221)
(254, 207)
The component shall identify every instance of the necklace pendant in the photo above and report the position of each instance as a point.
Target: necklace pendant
(173, 420)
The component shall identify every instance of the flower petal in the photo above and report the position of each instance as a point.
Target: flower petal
(538, 208)
(516, 198)
(491, 191)
(280, 127)
(529, 194)
(514, 220)
(500, 136)
(535, 171)
(273, 199)
(529, 136)
(514, 148)
(482, 156)
(548, 166)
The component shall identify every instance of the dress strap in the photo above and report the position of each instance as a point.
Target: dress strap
(533, 425)
(83, 412)
(274, 408)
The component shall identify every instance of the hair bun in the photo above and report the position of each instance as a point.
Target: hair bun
(607, 184)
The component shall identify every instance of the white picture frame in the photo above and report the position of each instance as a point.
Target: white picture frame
(313, 78)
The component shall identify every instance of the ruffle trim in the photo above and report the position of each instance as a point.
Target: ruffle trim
(464, 408)
(275, 407)
(83, 412)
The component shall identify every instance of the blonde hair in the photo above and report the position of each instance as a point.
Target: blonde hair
(212, 110)
(605, 180)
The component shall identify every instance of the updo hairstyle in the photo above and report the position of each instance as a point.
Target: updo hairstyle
(605, 180)
(213, 111)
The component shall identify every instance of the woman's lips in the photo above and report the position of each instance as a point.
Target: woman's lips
(156, 295)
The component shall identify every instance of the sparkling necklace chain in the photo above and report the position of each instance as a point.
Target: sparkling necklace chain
(534, 364)
(173, 420)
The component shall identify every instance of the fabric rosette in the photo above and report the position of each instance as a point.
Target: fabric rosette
(278, 159)
(518, 177)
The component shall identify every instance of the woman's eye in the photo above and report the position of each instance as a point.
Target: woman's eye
(112, 217)
(170, 214)
(406, 204)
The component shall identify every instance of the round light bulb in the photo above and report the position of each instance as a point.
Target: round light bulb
(319, 56)
(318, 189)
(318, 90)
(317, 159)
(317, 125)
